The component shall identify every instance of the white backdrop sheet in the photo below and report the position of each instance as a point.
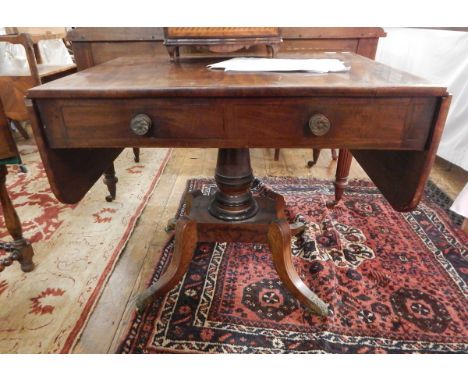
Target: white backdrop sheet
(440, 56)
(53, 52)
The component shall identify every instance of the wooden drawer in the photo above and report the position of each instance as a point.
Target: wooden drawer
(356, 122)
(106, 123)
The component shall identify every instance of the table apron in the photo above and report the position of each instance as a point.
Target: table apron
(388, 123)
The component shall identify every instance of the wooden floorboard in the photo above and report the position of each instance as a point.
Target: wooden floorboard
(106, 318)
(114, 310)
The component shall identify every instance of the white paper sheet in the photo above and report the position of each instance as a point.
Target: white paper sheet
(254, 64)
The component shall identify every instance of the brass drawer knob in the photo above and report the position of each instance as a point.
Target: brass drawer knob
(319, 125)
(140, 124)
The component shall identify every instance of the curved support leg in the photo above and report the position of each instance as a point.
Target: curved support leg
(342, 173)
(279, 239)
(315, 157)
(185, 243)
(110, 180)
(21, 248)
(136, 154)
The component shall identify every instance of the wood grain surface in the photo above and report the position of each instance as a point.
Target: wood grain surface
(155, 76)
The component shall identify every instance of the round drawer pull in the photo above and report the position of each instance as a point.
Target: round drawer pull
(319, 125)
(140, 124)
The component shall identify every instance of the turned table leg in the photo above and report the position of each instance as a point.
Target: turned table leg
(110, 180)
(21, 248)
(136, 154)
(342, 173)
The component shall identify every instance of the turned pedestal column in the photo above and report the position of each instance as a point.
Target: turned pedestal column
(234, 200)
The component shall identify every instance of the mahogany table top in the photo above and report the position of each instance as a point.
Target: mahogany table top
(156, 76)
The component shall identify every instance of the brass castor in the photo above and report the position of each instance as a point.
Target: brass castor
(297, 228)
(311, 163)
(171, 224)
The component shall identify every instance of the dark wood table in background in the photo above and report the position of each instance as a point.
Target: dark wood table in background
(390, 120)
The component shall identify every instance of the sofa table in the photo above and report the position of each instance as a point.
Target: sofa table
(94, 46)
(391, 122)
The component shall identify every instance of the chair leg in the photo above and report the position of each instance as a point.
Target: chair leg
(315, 157)
(334, 154)
(22, 249)
(136, 154)
(17, 125)
(277, 152)
(110, 180)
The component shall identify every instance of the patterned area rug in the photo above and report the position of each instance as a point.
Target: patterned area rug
(396, 282)
(76, 248)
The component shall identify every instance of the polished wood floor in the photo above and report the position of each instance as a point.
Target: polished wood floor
(113, 311)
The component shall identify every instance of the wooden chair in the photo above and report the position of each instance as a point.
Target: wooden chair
(14, 83)
(19, 249)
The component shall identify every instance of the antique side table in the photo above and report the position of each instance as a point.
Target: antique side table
(390, 120)
(93, 46)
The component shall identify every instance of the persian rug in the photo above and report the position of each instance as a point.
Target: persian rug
(76, 248)
(395, 282)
